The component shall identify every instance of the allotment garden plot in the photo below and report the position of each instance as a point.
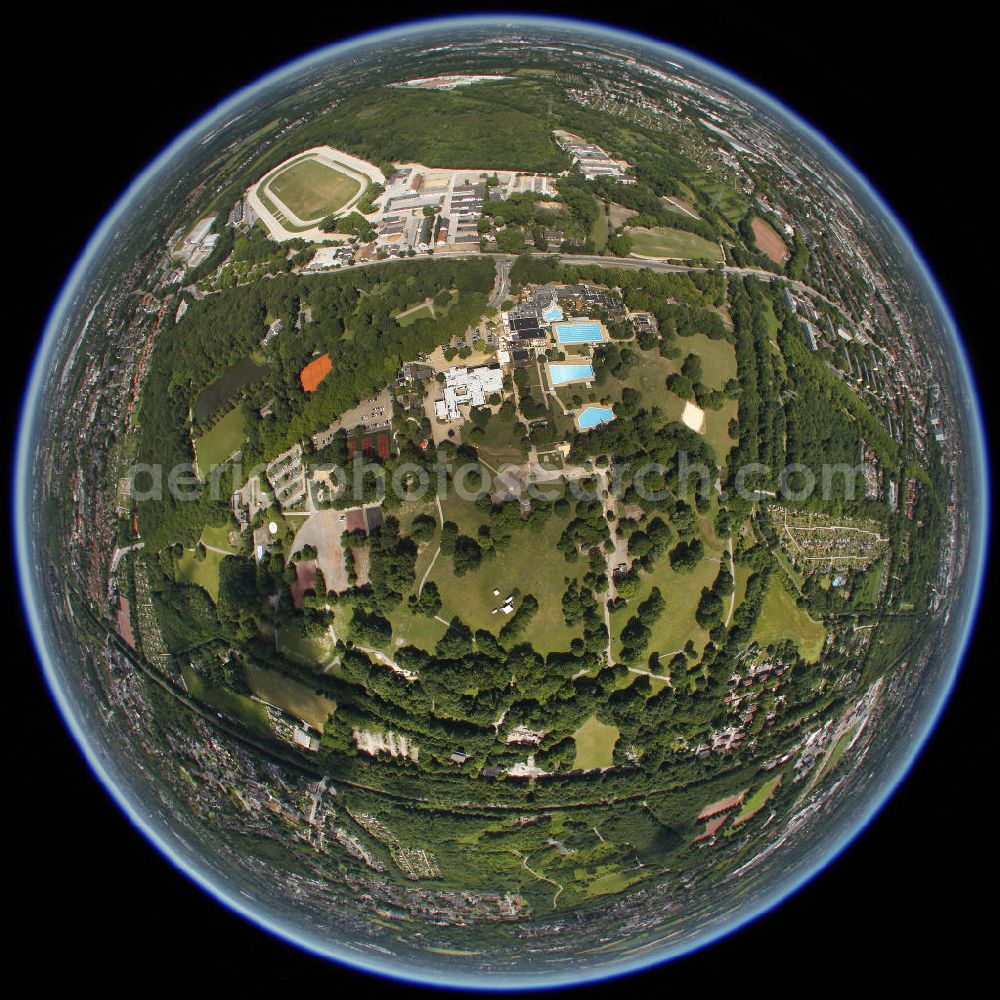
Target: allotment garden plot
(816, 541)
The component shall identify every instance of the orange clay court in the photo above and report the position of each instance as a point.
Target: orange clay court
(315, 372)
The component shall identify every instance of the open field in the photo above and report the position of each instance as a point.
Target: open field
(780, 618)
(415, 629)
(421, 311)
(618, 215)
(599, 232)
(517, 566)
(833, 758)
(757, 801)
(719, 195)
(769, 241)
(595, 744)
(218, 538)
(426, 309)
(221, 442)
(717, 428)
(500, 443)
(290, 695)
(675, 204)
(293, 643)
(204, 574)
(682, 592)
(313, 190)
(615, 882)
(718, 358)
(672, 244)
(236, 705)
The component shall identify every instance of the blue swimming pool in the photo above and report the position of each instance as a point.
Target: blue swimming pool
(578, 333)
(561, 374)
(553, 314)
(591, 416)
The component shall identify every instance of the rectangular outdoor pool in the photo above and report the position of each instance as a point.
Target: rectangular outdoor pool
(561, 374)
(578, 333)
(591, 416)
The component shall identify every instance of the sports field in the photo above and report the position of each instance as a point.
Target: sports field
(672, 244)
(313, 190)
(219, 444)
(768, 240)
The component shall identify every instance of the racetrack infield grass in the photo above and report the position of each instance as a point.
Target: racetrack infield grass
(313, 190)
(595, 745)
(781, 618)
(672, 244)
(221, 442)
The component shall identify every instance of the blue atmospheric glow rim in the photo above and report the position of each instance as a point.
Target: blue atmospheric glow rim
(21, 507)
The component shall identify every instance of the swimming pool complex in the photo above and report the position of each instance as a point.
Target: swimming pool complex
(591, 416)
(561, 374)
(578, 333)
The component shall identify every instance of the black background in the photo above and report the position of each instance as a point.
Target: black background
(906, 98)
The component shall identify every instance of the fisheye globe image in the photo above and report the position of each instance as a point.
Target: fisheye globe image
(501, 503)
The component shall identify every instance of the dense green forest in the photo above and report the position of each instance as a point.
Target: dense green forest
(476, 128)
(352, 320)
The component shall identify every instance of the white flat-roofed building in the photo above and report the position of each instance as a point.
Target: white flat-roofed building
(467, 386)
(199, 232)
